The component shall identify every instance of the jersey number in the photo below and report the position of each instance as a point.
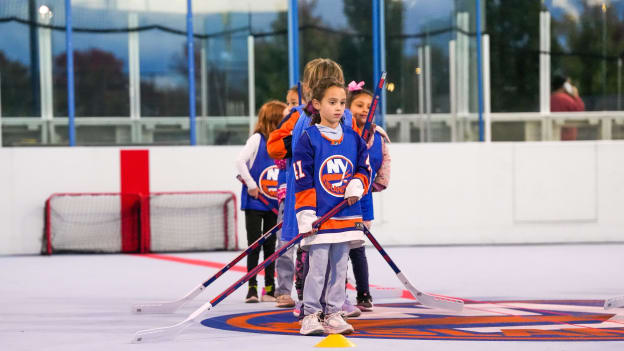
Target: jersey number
(298, 170)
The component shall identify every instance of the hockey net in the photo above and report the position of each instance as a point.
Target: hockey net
(158, 222)
(193, 221)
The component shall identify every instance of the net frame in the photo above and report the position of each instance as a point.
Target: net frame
(135, 230)
(146, 218)
(129, 225)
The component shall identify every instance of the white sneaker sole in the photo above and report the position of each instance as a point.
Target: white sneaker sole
(345, 330)
(353, 314)
(365, 309)
(318, 331)
(285, 305)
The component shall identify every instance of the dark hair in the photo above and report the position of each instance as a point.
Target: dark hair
(318, 92)
(557, 81)
(355, 93)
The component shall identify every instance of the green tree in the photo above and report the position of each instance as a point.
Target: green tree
(101, 86)
(272, 63)
(514, 56)
(17, 97)
(581, 57)
(351, 47)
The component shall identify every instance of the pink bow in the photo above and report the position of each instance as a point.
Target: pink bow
(353, 86)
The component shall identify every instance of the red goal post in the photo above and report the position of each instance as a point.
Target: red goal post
(136, 223)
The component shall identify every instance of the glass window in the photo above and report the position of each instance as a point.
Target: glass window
(586, 42)
(222, 44)
(100, 74)
(164, 74)
(418, 36)
(341, 31)
(19, 64)
(514, 55)
(410, 26)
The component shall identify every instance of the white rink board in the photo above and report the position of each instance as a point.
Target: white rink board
(555, 183)
(462, 193)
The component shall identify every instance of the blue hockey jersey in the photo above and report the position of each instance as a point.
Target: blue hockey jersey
(290, 228)
(322, 168)
(375, 154)
(265, 173)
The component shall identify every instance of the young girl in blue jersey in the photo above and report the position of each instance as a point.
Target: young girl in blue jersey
(260, 176)
(330, 163)
(359, 102)
(280, 146)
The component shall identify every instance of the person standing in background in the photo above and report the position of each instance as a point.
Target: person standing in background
(565, 98)
(260, 177)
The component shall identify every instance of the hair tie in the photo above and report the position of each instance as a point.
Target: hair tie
(353, 86)
(309, 109)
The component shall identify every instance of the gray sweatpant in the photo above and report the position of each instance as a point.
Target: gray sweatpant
(326, 278)
(285, 264)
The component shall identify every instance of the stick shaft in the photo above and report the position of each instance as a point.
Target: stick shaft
(276, 254)
(381, 250)
(366, 133)
(256, 244)
(428, 300)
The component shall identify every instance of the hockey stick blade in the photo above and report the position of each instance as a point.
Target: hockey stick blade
(166, 306)
(427, 300)
(445, 303)
(171, 332)
(614, 302)
(172, 306)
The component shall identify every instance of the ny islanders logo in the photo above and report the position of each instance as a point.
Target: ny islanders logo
(268, 182)
(334, 174)
(534, 320)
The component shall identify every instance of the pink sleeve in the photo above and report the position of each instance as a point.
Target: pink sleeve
(382, 179)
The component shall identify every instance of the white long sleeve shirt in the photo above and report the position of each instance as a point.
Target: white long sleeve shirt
(246, 159)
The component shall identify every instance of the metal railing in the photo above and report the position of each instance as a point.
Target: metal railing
(220, 130)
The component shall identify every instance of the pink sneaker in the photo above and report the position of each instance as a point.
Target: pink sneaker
(297, 309)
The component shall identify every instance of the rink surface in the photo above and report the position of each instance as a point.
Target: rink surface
(83, 302)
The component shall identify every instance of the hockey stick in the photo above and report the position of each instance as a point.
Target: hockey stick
(172, 306)
(446, 303)
(169, 333)
(260, 197)
(614, 302)
(423, 298)
(366, 133)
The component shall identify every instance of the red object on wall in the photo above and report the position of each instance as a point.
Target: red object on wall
(134, 179)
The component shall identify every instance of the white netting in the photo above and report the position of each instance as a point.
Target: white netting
(192, 221)
(162, 222)
(90, 222)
